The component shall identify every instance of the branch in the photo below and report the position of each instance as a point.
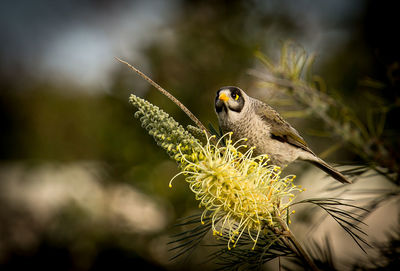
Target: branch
(298, 248)
(169, 96)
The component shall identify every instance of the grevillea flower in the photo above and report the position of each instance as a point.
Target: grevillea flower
(240, 193)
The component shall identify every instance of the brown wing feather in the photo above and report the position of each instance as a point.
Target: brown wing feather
(280, 129)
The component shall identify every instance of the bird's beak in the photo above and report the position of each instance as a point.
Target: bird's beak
(223, 97)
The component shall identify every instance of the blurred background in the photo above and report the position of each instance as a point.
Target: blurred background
(82, 185)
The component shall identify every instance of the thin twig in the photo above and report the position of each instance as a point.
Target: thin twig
(302, 251)
(169, 96)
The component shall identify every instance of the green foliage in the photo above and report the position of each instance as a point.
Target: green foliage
(364, 135)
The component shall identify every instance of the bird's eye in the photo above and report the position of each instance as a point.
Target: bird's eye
(235, 96)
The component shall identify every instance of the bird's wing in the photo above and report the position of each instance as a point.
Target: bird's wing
(280, 129)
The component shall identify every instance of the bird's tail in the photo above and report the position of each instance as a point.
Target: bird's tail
(330, 170)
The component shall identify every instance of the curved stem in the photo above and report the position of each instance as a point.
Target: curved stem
(297, 248)
(169, 96)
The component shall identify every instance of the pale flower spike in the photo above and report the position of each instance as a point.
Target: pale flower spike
(238, 192)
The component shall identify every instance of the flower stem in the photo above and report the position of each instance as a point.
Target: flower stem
(296, 246)
(169, 96)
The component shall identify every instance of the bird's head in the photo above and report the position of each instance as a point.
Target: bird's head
(229, 100)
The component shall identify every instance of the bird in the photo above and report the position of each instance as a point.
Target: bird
(266, 130)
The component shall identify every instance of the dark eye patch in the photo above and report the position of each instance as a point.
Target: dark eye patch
(235, 93)
(236, 96)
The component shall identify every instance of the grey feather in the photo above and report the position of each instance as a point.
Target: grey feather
(321, 164)
(280, 129)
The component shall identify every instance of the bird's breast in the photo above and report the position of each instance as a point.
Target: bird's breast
(258, 134)
(250, 127)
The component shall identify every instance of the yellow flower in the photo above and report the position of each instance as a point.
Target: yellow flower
(239, 192)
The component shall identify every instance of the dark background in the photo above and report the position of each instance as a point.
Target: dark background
(82, 185)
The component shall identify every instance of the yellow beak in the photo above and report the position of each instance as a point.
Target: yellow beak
(223, 97)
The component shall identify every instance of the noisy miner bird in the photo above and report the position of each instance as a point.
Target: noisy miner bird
(265, 129)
